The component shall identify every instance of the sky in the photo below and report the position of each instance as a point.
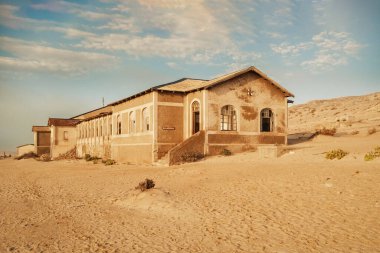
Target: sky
(61, 58)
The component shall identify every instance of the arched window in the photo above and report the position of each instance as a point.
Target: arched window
(118, 130)
(266, 120)
(145, 119)
(228, 118)
(132, 122)
(196, 116)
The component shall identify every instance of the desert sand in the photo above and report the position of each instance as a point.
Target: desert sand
(298, 202)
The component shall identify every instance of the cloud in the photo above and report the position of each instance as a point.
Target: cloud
(31, 56)
(275, 35)
(281, 14)
(320, 9)
(288, 50)
(330, 49)
(195, 31)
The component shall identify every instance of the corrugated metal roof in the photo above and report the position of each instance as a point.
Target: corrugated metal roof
(62, 122)
(186, 85)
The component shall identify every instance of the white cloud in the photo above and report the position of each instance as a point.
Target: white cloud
(196, 31)
(31, 56)
(275, 35)
(286, 49)
(330, 49)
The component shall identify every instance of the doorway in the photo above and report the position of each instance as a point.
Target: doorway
(195, 117)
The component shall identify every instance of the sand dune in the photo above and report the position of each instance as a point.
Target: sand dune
(347, 114)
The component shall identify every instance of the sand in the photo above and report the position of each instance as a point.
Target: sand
(347, 114)
(299, 202)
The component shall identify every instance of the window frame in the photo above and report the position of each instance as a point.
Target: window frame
(228, 118)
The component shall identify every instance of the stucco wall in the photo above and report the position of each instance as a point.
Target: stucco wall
(133, 146)
(248, 94)
(60, 145)
(25, 149)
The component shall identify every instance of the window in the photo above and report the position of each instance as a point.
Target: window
(228, 118)
(101, 130)
(132, 122)
(145, 119)
(266, 120)
(65, 135)
(118, 125)
(110, 130)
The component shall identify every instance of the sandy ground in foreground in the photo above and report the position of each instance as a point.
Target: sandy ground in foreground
(300, 202)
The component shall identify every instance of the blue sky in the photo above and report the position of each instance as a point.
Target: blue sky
(59, 58)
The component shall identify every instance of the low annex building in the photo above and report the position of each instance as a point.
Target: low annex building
(237, 111)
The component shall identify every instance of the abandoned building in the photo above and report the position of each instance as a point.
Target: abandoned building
(237, 111)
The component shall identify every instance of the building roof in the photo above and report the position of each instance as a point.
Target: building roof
(186, 85)
(106, 108)
(102, 114)
(40, 129)
(62, 122)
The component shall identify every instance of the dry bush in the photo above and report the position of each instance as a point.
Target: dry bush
(109, 162)
(45, 158)
(326, 131)
(192, 157)
(89, 158)
(145, 185)
(371, 131)
(27, 156)
(226, 152)
(337, 153)
(355, 132)
(372, 154)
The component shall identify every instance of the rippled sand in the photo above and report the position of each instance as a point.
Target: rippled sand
(299, 202)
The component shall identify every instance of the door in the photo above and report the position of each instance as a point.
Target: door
(196, 122)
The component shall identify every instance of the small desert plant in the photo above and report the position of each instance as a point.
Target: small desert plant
(226, 152)
(109, 162)
(355, 132)
(45, 158)
(372, 154)
(87, 157)
(327, 131)
(371, 131)
(337, 153)
(192, 157)
(145, 185)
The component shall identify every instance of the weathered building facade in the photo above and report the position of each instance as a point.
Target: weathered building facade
(237, 111)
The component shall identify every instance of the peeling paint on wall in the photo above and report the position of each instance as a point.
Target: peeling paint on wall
(248, 112)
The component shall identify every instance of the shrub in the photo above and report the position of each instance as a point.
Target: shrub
(327, 131)
(192, 157)
(337, 153)
(371, 131)
(354, 132)
(145, 185)
(87, 157)
(226, 152)
(45, 158)
(372, 154)
(109, 162)
(27, 156)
